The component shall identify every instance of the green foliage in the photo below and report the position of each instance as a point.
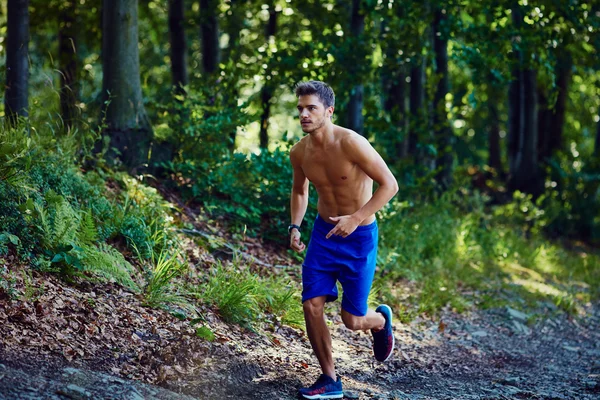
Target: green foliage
(164, 266)
(63, 220)
(245, 298)
(460, 253)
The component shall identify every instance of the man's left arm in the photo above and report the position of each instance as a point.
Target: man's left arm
(361, 152)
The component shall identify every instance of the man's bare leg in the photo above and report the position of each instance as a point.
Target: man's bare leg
(318, 334)
(373, 320)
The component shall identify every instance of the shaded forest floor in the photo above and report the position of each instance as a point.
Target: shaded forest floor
(96, 340)
(48, 350)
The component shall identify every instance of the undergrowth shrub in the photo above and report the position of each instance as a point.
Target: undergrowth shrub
(61, 219)
(460, 252)
(246, 298)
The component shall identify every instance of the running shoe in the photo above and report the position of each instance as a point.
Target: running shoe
(324, 388)
(383, 340)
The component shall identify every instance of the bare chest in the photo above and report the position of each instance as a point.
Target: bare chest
(331, 169)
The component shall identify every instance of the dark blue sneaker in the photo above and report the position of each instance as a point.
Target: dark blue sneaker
(383, 340)
(324, 388)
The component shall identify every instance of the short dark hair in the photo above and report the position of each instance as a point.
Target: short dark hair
(323, 91)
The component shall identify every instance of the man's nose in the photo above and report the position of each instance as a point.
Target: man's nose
(304, 113)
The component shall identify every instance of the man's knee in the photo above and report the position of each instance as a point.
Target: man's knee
(352, 322)
(313, 308)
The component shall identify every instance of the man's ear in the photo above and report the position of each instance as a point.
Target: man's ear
(330, 109)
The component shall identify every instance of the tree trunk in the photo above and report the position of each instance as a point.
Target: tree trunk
(523, 138)
(495, 160)
(17, 63)
(355, 105)
(178, 44)
(234, 26)
(127, 123)
(441, 126)
(597, 143)
(396, 105)
(417, 100)
(524, 171)
(209, 27)
(268, 88)
(552, 139)
(67, 47)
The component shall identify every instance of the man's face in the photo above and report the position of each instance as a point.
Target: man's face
(312, 112)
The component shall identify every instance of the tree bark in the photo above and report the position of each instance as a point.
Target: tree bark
(552, 119)
(597, 143)
(441, 126)
(178, 45)
(523, 137)
(234, 26)
(69, 79)
(127, 124)
(17, 66)
(396, 104)
(268, 87)
(495, 160)
(209, 27)
(355, 105)
(417, 100)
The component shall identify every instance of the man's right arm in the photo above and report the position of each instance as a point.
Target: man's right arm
(299, 198)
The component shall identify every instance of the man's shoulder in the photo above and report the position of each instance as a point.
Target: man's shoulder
(297, 149)
(349, 139)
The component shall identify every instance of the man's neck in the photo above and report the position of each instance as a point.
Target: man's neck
(323, 135)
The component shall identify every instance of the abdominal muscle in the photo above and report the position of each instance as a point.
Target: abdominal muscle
(336, 202)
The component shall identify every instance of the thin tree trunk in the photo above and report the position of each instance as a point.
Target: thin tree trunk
(209, 26)
(268, 87)
(495, 160)
(417, 100)
(355, 105)
(396, 105)
(597, 143)
(67, 45)
(523, 143)
(441, 126)
(555, 130)
(17, 66)
(236, 20)
(178, 44)
(127, 123)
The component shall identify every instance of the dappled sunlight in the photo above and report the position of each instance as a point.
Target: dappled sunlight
(537, 287)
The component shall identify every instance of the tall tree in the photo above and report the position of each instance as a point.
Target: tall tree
(441, 126)
(269, 86)
(523, 108)
(495, 160)
(178, 44)
(355, 105)
(209, 27)
(67, 49)
(551, 117)
(17, 67)
(127, 124)
(394, 74)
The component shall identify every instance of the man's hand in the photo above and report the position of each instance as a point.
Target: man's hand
(346, 224)
(295, 242)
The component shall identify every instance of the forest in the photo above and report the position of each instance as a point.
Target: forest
(145, 173)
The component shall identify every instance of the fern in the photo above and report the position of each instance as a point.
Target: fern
(87, 232)
(108, 263)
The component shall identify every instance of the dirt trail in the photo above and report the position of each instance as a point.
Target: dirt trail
(489, 354)
(482, 355)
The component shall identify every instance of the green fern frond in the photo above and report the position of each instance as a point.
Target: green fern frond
(108, 263)
(87, 232)
(65, 224)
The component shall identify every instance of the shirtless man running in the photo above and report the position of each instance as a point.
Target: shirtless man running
(342, 166)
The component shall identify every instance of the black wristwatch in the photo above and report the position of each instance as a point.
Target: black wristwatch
(292, 226)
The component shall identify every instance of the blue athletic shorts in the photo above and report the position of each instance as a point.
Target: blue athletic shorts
(350, 260)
